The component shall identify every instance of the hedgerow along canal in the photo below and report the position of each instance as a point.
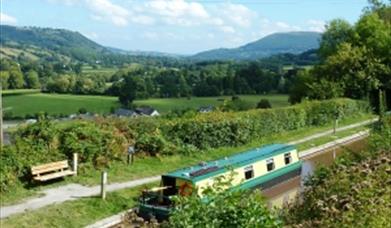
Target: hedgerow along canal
(289, 190)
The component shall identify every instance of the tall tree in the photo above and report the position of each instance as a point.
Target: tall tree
(127, 90)
(15, 79)
(32, 80)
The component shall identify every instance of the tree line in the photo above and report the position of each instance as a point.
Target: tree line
(355, 60)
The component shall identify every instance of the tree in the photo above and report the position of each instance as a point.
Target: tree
(61, 84)
(127, 90)
(220, 207)
(32, 80)
(15, 79)
(337, 32)
(4, 76)
(300, 86)
(355, 59)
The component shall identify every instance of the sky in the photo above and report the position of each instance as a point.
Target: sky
(178, 26)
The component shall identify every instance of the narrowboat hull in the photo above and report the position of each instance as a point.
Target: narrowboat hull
(150, 211)
(271, 179)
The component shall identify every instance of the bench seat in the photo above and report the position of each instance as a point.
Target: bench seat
(54, 175)
(52, 170)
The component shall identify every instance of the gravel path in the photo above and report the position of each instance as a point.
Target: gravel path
(68, 192)
(76, 191)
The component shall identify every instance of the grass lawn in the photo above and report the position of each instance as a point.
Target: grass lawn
(150, 166)
(32, 103)
(167, 104)
(23, 102)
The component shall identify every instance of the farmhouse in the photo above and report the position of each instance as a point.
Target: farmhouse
(206, 109)
(147, 111)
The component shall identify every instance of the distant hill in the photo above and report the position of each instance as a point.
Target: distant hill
(277, 43)
(60, 44)
(35, 41)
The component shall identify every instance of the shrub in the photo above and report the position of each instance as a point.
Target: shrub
(264, 104)
(82, 110)
(222, 209)
(92, 142)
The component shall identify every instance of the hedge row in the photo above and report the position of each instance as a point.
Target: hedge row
(231, 129)
(100, 141)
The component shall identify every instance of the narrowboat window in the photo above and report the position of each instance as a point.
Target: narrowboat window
(270, 164)
(248, 172)
(287, 158)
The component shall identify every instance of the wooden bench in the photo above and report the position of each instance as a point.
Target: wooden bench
(51, 171)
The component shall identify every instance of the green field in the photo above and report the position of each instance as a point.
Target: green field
(23, 102)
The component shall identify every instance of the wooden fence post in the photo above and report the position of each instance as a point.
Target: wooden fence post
(335, 126)
(75, 160)
(103, 185)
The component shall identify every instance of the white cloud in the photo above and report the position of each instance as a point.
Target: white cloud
(141, 19)
(107, 11)
(177, 8)
(175, 12)
(7, 19)
(237, 14)
(66, 2)
(316, 25)
(227, 29)
(282, 25)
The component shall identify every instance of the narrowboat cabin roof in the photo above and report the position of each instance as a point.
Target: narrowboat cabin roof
(207, 169)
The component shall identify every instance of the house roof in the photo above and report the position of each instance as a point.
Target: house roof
(206, 108)
(124, 112)
(207, 169)
(145, 110)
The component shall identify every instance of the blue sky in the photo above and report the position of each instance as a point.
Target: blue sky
(178, 26)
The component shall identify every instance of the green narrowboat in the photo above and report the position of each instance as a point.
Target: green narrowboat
(256, 168)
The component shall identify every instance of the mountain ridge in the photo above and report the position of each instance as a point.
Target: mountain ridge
(50, 44)
(276, 43)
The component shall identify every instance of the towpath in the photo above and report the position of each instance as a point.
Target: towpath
(77, 191)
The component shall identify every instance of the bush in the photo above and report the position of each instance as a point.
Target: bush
(82, 110)
(221, 208)
(264, 104)
(351, 193)
(92, 142)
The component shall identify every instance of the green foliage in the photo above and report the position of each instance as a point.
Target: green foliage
(230, 129)
(337, 31)
(353, 192)
(221, 208)
(15, 80)
(4, 76)
(92, 142)
(379, 139)
(32, 80)
(127, 90)
(264, 104)
(355, 59)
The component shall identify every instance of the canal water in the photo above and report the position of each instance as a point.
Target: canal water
(290, 189)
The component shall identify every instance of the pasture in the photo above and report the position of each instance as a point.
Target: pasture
(22, 103)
